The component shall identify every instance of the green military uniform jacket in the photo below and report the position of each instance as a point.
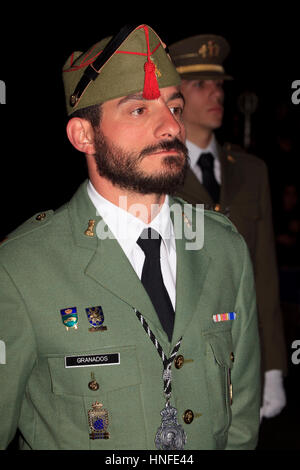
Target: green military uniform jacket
(245, 199)
(50, 264)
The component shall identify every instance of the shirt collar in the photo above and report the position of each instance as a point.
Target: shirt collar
(195, 151)
(127, 228)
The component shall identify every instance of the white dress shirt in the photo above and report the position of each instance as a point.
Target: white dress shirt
(194, 154)
(127, 228)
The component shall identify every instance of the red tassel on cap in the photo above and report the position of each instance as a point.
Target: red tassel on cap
(151, 88)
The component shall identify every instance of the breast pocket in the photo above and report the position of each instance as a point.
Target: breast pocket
(109, 376)
(219, 362)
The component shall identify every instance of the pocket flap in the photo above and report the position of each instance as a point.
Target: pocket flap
(111, 374)
(222, 348)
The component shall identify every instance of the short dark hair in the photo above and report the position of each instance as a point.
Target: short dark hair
(91, 113)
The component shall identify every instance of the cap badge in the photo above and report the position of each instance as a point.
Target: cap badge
(211, 49)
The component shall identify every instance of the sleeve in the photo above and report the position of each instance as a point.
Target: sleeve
(18, 355)
(245, 373)
(267, 290)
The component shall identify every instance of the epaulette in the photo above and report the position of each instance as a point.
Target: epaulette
(235, 148)
(36, 221)
(212, 213)
(220, 218)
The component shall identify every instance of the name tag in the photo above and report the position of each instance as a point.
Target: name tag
(92, 360)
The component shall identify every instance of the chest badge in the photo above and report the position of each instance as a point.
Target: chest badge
(224, 317)
(98, 421)
(69, 317)
(96, 318)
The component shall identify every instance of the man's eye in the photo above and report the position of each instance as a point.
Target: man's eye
(138, 111)
(176, 110)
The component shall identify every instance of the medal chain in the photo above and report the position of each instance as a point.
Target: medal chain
(167, 362)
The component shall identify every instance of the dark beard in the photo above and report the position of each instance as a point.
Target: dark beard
(121, 167)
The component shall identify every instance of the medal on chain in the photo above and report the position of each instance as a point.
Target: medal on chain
(170, 435)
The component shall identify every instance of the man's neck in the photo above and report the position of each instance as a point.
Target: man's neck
(143, 206)
(199, 136)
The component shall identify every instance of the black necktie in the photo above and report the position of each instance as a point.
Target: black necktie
(206, 163)
(152, 279)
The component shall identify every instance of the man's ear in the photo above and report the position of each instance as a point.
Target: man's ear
(81, 135)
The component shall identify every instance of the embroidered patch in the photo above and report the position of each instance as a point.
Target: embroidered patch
(92, 360)
(224, 316)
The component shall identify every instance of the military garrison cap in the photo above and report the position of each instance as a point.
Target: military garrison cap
(133, 61)
(200, 57)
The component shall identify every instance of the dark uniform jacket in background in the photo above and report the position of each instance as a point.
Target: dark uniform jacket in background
(245, 199)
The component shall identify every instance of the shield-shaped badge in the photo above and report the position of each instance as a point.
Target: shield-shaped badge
(96, 318)
(98, 421)
(69, 317)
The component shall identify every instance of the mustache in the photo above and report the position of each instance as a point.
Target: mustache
(166, 145)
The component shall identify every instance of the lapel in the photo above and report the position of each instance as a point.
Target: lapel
(108, 265)
(232, 178)
(193, 191)
(192, 269)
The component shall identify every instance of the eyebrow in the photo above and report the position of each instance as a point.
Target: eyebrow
(175, 96)
(132, 97)
(139, 97)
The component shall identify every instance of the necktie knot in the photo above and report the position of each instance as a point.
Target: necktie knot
(206, 161)
(149, 241)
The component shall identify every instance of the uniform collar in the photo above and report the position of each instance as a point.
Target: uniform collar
(195, 151)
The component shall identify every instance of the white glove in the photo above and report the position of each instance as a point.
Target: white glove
(274, 399)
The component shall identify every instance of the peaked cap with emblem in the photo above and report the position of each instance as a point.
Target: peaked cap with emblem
(201, 57)
(133, 61)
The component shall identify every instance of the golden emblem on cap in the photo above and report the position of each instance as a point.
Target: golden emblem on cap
(90, 230)
(210, 49)
(73, 100)
(41, 216)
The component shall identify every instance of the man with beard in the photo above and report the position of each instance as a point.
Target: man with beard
(128, 328)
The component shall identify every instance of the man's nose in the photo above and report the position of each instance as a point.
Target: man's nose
(168, 126)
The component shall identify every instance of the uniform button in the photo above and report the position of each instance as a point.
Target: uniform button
(40, 216)
(232, 357)
(217, 207)
(188, 416)
(179, 361)
(93, 385)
